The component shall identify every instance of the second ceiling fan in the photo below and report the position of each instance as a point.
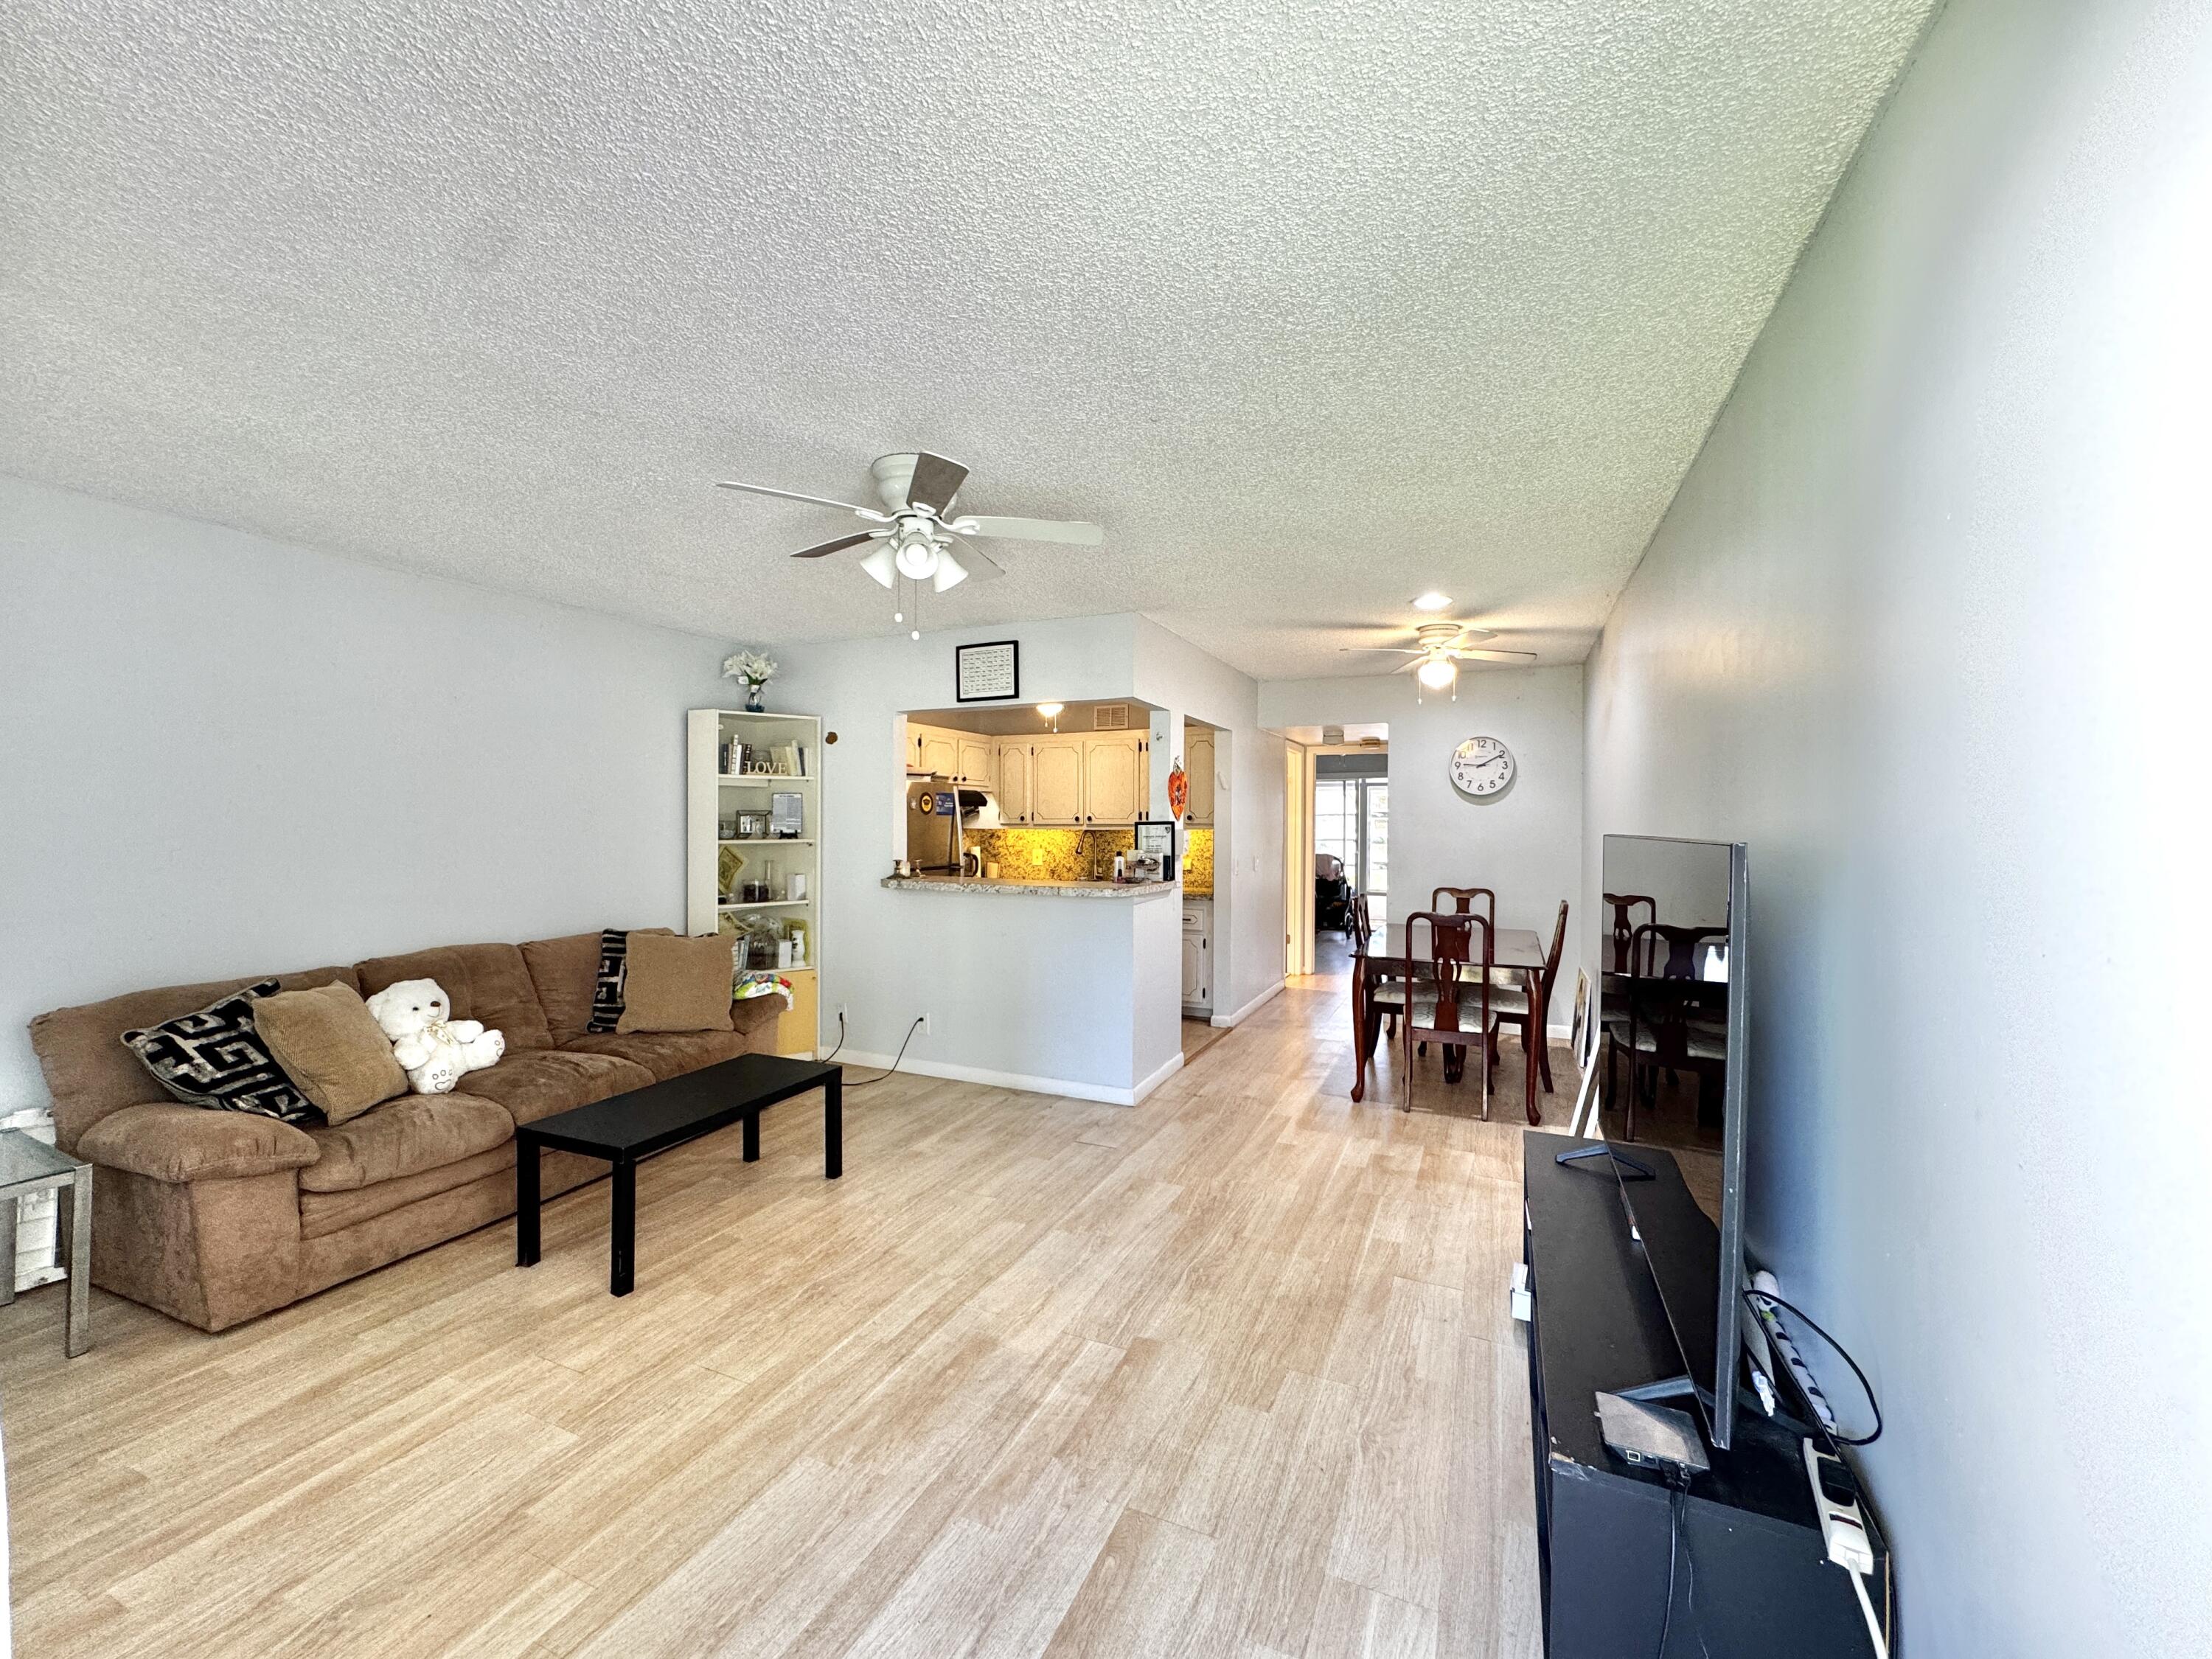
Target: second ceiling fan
(918, 537)
(1439, 649)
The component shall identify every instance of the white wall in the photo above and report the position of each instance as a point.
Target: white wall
(1109, 976)
(1925, 627)
(1249, 951)
(1523, 842)
(223, 755)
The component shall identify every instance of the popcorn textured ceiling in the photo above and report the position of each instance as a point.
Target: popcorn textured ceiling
(1313, 306)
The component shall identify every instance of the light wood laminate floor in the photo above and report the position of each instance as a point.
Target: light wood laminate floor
(1228, 1374)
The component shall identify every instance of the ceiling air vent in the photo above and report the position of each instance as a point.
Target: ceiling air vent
(1109, 717)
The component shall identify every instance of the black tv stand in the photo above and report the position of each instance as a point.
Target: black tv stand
(1605, 1528)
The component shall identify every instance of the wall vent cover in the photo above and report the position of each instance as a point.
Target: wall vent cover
(1110, 717)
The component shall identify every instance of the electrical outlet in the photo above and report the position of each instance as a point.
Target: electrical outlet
(924, 1025)
(840, 1014)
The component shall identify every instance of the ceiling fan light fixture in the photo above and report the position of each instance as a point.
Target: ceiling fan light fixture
(881, 566)
(1432, 600)
(951, 573)
(1050, 710)
(1437, 672)
(916, 556)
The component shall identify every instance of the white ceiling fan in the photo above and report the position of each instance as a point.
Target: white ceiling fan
(1439, 648)
(920, 538)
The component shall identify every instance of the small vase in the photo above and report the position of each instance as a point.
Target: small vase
(753, 704)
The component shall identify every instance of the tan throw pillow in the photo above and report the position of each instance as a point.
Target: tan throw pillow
(677, 984)
(332, 1046)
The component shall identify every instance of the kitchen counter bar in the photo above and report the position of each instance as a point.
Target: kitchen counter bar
(1086, 890)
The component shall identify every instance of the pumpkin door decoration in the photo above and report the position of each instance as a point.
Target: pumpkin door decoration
(1178, 789)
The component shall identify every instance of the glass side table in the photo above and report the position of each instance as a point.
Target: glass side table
(31, 1166)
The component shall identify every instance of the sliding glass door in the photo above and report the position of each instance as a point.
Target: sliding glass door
(1352, 822)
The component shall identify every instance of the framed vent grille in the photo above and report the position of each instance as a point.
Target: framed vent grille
(1110, 717)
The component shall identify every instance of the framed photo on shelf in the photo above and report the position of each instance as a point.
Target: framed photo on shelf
(990, 673)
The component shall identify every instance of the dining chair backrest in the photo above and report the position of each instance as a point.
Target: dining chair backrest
(1451, 948)
(1558, 945)
(1658, 950)
(1363, 925)
(1463, 899)
(1624, 926)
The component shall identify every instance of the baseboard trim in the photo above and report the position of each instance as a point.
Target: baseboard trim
(1173, 1065)
(1023, 1081)
(1230, 1022)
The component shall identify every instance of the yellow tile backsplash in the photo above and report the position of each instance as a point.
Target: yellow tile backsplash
(1083, 855)
(1198, 862)
(1053, 855)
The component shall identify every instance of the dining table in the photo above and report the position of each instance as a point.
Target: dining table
(1382, 956)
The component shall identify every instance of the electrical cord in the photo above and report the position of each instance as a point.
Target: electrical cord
(1814, 1325)
(893, 1067)
(1673, 1542)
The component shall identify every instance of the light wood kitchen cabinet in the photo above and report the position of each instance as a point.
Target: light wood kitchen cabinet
(1114, 778)
(1198, 762)
(1014, 782)
(938, 751)
(1197, 955)
(1056, 781)
(976, 761)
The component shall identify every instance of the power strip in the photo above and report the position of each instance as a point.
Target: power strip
(1843, 1529)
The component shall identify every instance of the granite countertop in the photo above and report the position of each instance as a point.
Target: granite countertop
(1090, 890)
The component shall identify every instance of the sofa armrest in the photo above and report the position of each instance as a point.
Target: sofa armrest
(168, 1141)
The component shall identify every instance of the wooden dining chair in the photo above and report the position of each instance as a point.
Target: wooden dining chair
(1663, 1027)
(1463, 899)
(1385, 995)
(1624, 926)
(1527, 1006)
(1451, 1005)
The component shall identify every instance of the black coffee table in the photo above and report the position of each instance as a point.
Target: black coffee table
(624, 1128)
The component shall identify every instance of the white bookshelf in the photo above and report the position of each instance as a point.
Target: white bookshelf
(716, 797)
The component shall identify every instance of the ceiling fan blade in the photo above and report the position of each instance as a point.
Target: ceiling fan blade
(1495, 656)
(936, 481)
(981, 565)
(1034, 530)
(822, 550)
(1387, 650)
(794, 496)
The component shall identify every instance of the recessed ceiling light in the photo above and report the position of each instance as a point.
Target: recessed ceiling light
(1433, 601)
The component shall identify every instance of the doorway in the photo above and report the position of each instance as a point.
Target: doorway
(1351, 849)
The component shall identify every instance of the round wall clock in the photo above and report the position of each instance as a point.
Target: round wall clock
(1481, 766)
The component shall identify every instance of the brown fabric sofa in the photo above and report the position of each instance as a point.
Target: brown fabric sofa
(218, 1217)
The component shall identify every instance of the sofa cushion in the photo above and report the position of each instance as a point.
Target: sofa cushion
(213, 1057)
(677, 984)
(668, 1054)
(404, 1137)
(321, 1213)
(487, 982)
(89, 1070)
(566, 972)
(173, 1143)
(543, 1081)
(332, 1046)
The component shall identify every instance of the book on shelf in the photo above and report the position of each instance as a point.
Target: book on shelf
(763, 760)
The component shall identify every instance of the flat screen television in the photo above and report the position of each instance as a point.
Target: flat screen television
(1672, 1002)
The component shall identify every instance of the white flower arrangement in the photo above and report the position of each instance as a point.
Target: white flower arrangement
(750, 666)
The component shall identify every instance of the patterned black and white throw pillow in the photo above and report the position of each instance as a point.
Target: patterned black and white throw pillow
(213, 1057)
(607, 989)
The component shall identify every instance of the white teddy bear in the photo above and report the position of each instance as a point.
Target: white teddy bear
(433, 1051)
